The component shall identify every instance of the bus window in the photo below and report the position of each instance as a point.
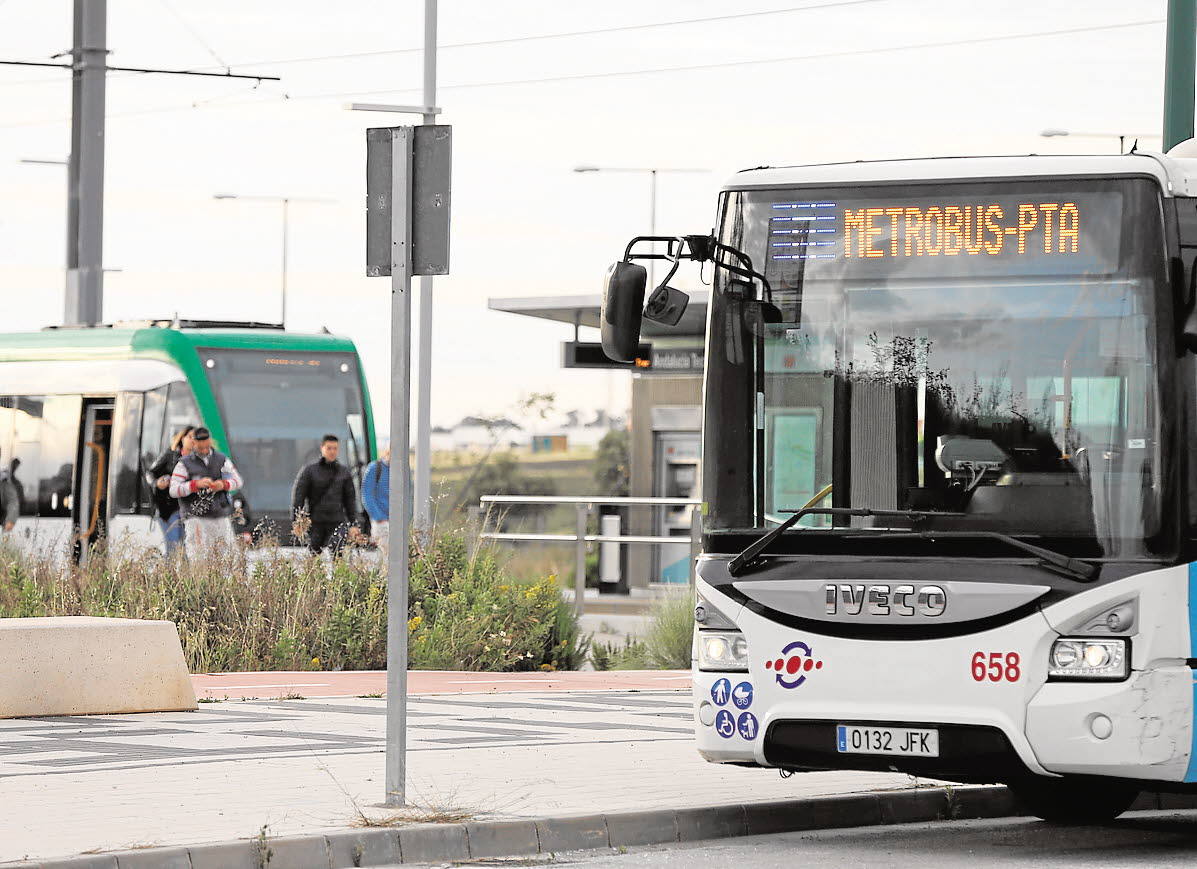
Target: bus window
(152, 418)
(125, 476)
(180, 411)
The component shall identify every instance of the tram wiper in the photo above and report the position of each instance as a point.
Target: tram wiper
(736, 566)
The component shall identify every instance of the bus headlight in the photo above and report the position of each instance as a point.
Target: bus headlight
(722, 651)
(1079, 658)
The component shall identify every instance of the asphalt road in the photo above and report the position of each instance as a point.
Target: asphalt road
(1148, 839)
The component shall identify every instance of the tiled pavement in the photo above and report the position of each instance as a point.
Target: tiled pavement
(69, 785)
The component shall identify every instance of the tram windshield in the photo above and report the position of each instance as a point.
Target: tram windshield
(985, 351)
(276, 406)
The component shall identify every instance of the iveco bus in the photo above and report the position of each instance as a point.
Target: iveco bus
(84, 412)
(948, 471)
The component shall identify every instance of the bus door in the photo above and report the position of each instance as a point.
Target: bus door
(90, 512)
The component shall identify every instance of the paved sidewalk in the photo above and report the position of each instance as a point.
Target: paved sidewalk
(70, 785)
(356, 683)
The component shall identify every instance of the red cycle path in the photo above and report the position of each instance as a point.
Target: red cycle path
(273, 685)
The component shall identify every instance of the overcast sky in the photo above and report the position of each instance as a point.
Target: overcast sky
(831, 81)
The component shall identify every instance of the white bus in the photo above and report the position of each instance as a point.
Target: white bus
(949, 477)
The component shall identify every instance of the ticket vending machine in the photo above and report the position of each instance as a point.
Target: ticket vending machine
(677, 452)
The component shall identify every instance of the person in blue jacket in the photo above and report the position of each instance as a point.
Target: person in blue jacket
(376, 496)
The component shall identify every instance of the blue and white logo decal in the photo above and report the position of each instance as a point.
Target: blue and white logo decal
(720, 691)
(725, 725)
(742, 695)
(747, 726)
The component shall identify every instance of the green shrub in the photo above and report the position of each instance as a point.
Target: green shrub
(666, 646)
(296, 612)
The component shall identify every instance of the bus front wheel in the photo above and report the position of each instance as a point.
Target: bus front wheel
(1073, 801)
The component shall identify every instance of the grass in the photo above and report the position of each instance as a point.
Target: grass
(296, 612)
(667, 645)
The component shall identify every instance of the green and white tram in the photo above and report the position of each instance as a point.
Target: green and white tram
(949, 474)
(85, 411)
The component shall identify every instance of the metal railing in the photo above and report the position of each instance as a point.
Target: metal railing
(584, 506)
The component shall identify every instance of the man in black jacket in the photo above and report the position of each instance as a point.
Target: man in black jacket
(324, 496)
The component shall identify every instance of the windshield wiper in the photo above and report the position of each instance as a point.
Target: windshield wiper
(737, 564)
(1057, 562)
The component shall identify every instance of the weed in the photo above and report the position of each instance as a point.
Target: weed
(284, 611)
(667, 646)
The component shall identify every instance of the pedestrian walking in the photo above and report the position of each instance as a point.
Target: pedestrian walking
(166, 506)
(324, 500)
(202, 481)
(376, 497)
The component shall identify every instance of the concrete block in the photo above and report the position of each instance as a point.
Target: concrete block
(578, 833)
(1177, 801)
(988, 802)
(502, 838)
(711, 822)
(154, 858)
(91, 666)
(244, 854)
(912, 806)
(626, 829)
(377, 847)
(812, 814)
(296, 852)
(427, 843)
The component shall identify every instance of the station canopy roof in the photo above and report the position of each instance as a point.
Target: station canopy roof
(584, 310)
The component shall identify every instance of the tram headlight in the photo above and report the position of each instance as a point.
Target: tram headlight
(722, 651)
(1081, 658)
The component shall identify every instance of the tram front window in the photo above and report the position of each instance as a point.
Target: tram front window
(983, 350)
(276, 406)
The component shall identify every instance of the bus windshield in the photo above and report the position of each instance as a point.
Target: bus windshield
(276, 405)
(987, 351)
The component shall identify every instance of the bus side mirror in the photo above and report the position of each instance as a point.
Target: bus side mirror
(623, 305)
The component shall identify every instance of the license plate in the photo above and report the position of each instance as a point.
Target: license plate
(908, 741)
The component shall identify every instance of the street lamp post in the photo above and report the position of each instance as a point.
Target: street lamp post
(286, 203)
(652, 172)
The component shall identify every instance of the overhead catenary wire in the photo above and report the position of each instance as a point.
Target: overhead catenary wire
(166, 4)
(146, 70)
(952, 43)
(853, 52)
(567, 34)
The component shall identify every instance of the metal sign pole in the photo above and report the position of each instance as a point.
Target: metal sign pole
(423, 478)
(397, 563)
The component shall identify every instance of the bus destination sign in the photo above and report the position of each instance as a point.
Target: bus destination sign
(1074, 233)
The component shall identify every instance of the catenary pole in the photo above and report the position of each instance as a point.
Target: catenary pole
(286, 209)
(423, 477)
(1179, 57)
(84, 297)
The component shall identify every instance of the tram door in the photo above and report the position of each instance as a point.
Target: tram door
(90, 512)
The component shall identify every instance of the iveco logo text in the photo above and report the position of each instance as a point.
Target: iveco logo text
(884, 600)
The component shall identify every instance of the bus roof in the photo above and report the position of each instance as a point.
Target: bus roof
(125, 341)
(1177, 174)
